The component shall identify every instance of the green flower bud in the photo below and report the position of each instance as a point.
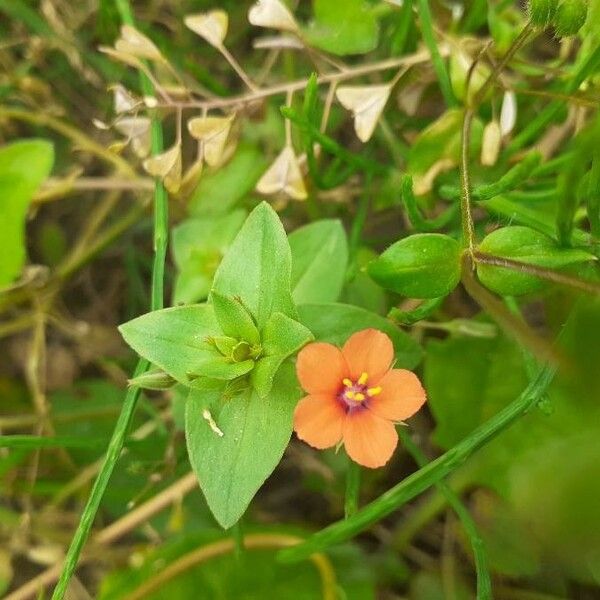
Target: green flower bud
(153, 380)
(241, 352)
(541, 12)
(570, 17)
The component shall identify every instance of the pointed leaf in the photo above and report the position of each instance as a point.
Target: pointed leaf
(234, 319)
(231, 468)
(178, 341)
(257, 266)
(281, 337)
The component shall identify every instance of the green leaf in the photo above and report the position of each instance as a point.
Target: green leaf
(335, 323)
(219, 191)
(343, 28)
(280, 338)
(528, 246)
(257, 266)
(319, 261)
(198, 245)
(425, 265)
(361, 290)
(24, 165)
(234, 319)
(232, 467)
(178, 341)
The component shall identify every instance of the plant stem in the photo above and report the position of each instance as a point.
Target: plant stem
(468, 227)
(425, 477)
(436, 58)
(408, 60)
(124, 421)
(352, 489)
(237, 533)
(484, 584)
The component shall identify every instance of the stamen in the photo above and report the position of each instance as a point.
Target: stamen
(349, 394)
(347, 382)
(363, 379)
(374, 391)
(359, 397)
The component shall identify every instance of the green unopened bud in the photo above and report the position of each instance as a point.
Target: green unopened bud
(570, 17)
(541, 12)
(223, 344)
(153, 380)
(241, 352)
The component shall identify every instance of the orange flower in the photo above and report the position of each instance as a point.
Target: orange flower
(354, 395)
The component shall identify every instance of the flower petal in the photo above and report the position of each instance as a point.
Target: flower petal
(369, 440)
(319, 420)
(368, 351)
(401, 396)
(321, 368)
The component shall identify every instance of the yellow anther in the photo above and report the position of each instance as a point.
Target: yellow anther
(349, 394)
(359, 397)
(374, 391)
(363, 379)
(347, 382)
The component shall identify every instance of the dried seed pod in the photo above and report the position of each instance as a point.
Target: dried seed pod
(366, 103)
(272, 14)
(213, 132)
(123, 101)
(136, 44)
(137, 130)
(166, 166)
(490, 145)
(283, 176)
(212, 26)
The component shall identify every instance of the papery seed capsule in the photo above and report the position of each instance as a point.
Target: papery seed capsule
(541, 12)
(570, 17)
(490, 146)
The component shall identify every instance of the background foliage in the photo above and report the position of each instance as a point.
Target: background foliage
(425, 168)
